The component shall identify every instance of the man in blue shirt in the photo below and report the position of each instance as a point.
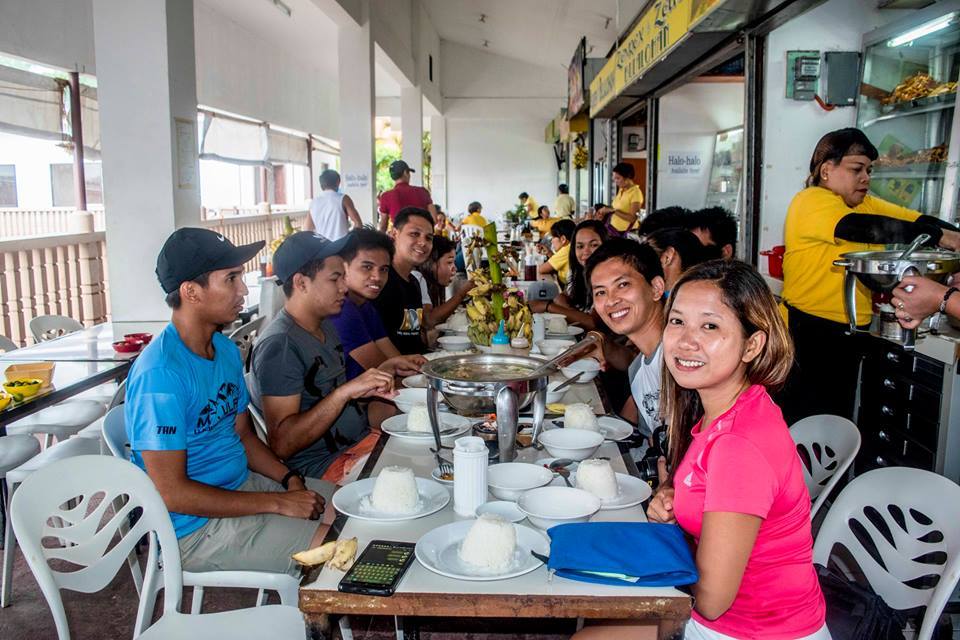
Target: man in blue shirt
(234, 504)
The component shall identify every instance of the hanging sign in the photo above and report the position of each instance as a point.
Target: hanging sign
(660, 27)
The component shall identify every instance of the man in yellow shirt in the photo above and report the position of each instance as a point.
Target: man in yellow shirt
(474, 217)
(564, 207)
(559, 262)
(529, 203)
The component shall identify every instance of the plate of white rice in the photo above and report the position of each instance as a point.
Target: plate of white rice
(441, 551)
(631, 491)
(612, 428)
(356, 499)
(415, 425)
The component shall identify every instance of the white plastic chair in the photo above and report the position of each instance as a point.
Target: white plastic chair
(7, 345)
(259, 422)
(43, 495)
(115, 436)
(66, 449)
(912, 519)
(244, 336)
(14, 451)
(49, 327)
(59, 421)
(827, 446)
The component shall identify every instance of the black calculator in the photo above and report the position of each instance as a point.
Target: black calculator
(379, 569)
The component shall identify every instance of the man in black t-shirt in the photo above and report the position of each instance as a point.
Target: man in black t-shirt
(400, 304)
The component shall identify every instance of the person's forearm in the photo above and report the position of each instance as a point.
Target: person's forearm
(382, 224)
(262, 459)
(197, 499)
(574, 316)
(953, 306)
(441, 312)
(624, 215)
(300, 430)
(618, 356)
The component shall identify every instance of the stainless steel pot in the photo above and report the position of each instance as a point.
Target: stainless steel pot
(478, 385)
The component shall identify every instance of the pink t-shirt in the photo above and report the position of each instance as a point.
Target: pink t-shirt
(746, 462)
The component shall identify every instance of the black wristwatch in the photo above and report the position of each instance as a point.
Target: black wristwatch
(285, 480)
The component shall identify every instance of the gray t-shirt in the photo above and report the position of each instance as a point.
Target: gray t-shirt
(644, 375)
(287, 360)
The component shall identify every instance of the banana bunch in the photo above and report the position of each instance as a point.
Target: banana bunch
(483, 322)
(339, 553)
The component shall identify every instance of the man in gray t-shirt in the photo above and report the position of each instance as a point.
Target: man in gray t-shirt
(310, 409)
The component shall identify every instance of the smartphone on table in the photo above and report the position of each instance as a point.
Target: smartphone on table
(379, 569)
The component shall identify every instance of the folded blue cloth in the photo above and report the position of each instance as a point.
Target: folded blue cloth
(642, 554)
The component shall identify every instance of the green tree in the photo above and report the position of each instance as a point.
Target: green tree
(386, 154)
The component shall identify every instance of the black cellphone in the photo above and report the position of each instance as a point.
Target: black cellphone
(379, 569)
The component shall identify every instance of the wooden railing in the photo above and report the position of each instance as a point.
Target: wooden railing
(59, 274)
(247, 229)
(31, 223)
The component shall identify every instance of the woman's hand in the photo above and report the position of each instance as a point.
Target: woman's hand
(660, 508)
(950, 240)
(543, 250)
(538, 306)
(911, 307)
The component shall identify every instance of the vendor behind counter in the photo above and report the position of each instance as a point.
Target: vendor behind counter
(832, 216)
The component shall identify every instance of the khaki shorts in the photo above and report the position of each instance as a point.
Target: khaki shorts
(263, 542)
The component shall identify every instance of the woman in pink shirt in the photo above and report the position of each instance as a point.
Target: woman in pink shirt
(737, 486)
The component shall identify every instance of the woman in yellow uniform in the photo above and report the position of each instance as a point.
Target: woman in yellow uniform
(832, 216)
(624, 215)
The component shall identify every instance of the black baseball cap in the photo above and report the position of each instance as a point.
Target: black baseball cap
(397, 167)
(190, 252)
(302, 247)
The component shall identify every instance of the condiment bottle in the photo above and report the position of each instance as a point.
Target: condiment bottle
(470, 459)
(500, 342)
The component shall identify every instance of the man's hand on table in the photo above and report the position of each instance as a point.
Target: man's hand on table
(372, 383)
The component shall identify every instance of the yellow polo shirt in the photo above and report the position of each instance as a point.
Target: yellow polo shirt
(564, 205)
(810, 281)
(624, 201)
(543, 226)
(532, 207)
(560, 261)
(475, 218)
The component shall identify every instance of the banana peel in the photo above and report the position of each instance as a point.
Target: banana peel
(316, 556)
(345, 554)
(339, 554)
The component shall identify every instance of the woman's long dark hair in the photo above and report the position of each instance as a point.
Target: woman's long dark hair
(747, 295)
(441, 247)
(578, 291)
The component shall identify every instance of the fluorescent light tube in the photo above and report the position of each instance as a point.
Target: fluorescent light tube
(924, 29)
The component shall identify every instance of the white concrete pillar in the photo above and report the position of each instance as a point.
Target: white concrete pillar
(357, 113)
(411, 122)
(147, 90)
(438, 161)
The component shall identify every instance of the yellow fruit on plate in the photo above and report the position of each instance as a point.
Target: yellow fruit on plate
(315, 556)
(556, 407)
(4, 401)
(345, 554)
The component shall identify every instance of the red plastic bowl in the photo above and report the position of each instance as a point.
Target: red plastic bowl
(128, 346)
(145, 338)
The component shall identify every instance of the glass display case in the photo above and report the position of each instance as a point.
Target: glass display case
(907, 107)
(726, 171)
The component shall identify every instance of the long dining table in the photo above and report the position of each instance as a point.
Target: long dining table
(423, 593)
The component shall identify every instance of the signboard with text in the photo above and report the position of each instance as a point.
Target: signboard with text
(660, 27)
(575, 88)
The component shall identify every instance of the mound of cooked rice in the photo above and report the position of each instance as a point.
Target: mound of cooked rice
(418, 419)
(597, 477)
(580, 416)
(395, 491)
(490, 544)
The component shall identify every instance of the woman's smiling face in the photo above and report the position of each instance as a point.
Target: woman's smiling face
(585, 243)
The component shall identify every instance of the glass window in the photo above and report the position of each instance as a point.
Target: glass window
(8, 185)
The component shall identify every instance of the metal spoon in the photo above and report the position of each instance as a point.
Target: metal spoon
(564, 473)
(919, 240)
(560, 463)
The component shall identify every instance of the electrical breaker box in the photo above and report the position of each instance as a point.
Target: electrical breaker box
(803, 74)
(842, 78)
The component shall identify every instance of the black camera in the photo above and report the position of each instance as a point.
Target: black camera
(647, 465)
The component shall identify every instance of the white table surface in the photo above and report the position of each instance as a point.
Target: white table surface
(419, 579)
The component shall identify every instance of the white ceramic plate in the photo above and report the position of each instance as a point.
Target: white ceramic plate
(435, 474)
(451, 425)
(612, 428)
(571, 331)
(353, 500)
(633, 491)
(447, 329)
(418, 381)
(506, 509)
(438, 550)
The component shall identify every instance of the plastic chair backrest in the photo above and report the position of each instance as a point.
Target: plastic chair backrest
(49, 327)
(244, 336)
(115, 433)
(119, 396)
(271, 299)
(44, 497)
(910, 519)
(827, 446)
(7, 345)
(258, 421)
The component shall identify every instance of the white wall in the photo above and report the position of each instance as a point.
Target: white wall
(792, 128)
(496, 110)
(690, 118)
(32, 158)
(242, 73)
(55, 32)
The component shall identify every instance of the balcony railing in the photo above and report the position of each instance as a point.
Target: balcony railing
(66, 274)
(31, 223)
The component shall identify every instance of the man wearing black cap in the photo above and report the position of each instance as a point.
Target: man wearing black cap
(403, 195)
(310, 408)
(234, 504)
